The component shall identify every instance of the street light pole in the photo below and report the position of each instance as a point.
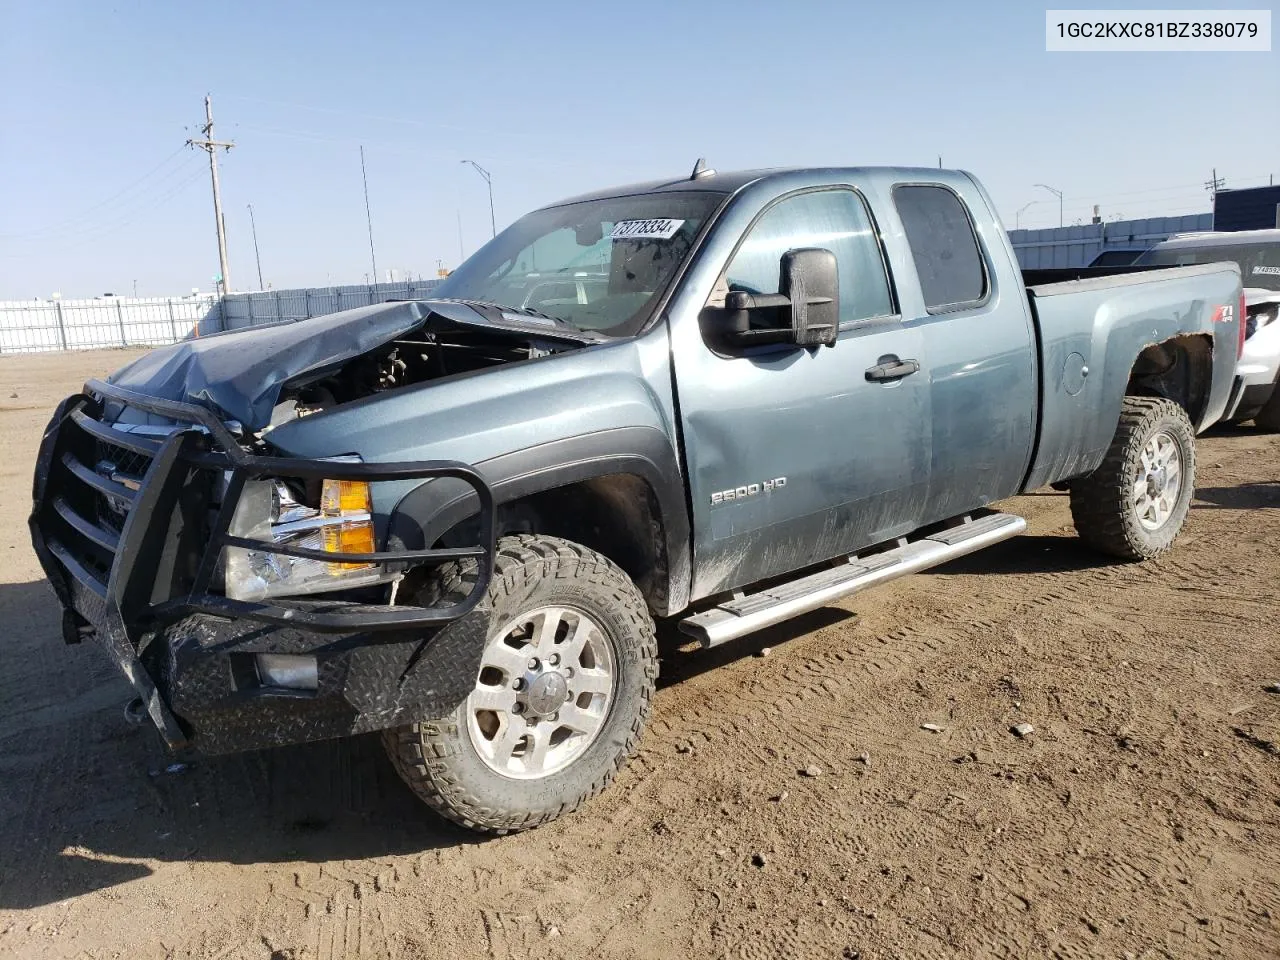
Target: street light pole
(254, 227)
(1017, 217)
(493, 223)
(1057, 193)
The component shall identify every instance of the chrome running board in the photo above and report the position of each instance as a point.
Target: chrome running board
(747, 614)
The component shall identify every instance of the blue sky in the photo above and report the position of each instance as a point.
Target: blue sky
(97, 98)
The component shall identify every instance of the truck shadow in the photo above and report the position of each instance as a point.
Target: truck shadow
(91, 801)
(682, 659)
(1244, 496)
(1027, 554)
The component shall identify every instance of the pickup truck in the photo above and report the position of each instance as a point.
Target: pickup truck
(457, 520)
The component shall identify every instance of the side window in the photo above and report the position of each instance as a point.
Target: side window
(835, 220)
(943, 246)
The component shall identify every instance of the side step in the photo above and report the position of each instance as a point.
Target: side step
(746, 614)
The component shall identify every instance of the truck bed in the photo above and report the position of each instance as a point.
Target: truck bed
(1091, 323)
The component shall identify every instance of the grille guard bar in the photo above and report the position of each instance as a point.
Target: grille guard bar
(130, 594)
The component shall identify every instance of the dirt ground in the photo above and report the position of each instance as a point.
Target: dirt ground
(1141, 819)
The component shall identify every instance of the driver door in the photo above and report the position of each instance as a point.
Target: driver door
(795, 454)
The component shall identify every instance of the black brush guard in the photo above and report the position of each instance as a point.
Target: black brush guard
(157, 566)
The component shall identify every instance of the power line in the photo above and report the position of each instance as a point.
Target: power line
(75, 221)
(388, 146)
(95, 233)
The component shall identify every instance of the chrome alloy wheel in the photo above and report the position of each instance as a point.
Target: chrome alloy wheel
(544, 691)
(1158, 481)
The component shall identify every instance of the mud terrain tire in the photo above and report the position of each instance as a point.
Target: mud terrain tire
(440, 758)
(1112, 513)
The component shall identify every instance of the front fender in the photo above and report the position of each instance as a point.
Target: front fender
(431, 509)
(527, 427)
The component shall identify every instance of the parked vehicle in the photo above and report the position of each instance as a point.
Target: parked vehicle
(456, 520)
(1117, 257)
(1257, 252)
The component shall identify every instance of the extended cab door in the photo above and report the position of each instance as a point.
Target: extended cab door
(799, 454)
(970, 307)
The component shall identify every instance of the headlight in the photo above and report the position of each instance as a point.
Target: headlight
(269, 511)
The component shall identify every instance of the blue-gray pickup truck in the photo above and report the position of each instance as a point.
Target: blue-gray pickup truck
(721, 400)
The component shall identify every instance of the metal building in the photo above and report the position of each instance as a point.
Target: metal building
(1077, 246)
(1254, 208)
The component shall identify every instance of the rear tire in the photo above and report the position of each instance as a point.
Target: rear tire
(1134, 504)
(563, 693)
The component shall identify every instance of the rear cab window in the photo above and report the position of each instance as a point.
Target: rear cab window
(944, 247)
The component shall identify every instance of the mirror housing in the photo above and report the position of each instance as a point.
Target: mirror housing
(806, 312)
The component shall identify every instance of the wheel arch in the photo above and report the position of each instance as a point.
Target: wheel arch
(1178, 369)
(619, 492)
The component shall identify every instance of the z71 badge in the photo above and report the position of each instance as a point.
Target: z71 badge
(749, 490)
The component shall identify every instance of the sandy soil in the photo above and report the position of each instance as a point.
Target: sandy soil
(1142, 818)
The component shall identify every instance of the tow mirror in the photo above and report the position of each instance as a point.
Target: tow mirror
(806, 312)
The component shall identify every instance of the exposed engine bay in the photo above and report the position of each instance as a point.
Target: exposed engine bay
(262, 377)
(441, 348)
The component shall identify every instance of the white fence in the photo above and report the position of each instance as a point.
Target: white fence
(28, 326)
(267, 306)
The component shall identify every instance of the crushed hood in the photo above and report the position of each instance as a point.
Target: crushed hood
(239, 374)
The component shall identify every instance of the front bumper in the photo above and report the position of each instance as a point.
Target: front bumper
(133, 562)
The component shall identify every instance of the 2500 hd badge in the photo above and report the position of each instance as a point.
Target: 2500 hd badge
(750, 490)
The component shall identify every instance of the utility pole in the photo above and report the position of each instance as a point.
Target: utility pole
(254, 227)
(1214, 185)
(462, 254)
(493, 223)
(210, 146)
(368, 217)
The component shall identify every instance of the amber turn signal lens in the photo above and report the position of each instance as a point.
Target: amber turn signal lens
(348, 538)
(342, 498)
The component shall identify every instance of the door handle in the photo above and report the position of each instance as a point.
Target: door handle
(889, 367)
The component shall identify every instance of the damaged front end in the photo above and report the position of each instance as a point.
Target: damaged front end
(260, 377)
(242, 592)
(158, 542)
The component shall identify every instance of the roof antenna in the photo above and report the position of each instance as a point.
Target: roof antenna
(700, 170)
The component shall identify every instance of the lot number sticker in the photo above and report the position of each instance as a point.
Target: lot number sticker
(660, 229)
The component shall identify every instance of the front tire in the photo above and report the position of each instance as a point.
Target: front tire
(1134, 505)
(564, 689)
